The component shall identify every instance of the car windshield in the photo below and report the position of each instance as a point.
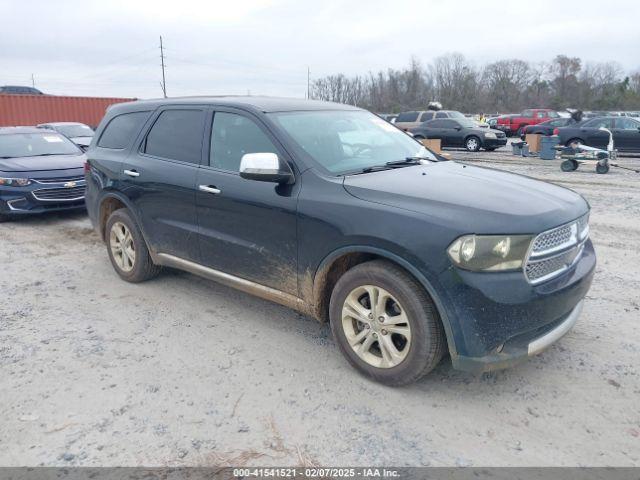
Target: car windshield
(35, 144)
(349, 141)
(75, 130)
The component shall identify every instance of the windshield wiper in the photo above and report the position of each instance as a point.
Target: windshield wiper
(393, 164)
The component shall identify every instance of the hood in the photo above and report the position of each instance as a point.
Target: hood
(82, 141)
(471, 199)
(32, 164)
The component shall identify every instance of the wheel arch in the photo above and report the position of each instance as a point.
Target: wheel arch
(342, 259)
(109, 202)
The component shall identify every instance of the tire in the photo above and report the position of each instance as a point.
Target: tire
(574, 140)
(490, 149)
(134, 263)
(472, 143)
(4, 218)
(415, 355)
(602, 169)
(569, 165)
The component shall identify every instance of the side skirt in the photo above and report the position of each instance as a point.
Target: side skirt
(238, 283)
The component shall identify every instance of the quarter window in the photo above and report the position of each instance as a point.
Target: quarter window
(177, 135)
(120, 130)
(232, 137)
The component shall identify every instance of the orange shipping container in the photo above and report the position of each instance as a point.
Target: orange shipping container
(27, 110)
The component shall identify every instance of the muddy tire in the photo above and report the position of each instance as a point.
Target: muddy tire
(127, 248)
(386, 324)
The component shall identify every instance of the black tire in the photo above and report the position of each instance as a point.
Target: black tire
(143, 267)
(569, 165)
(602, 169)
(475, 142)
(574, 140)
(428, 343)
(490, 149)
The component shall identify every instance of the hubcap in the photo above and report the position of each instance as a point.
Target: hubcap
(472, 143)
(376, 326)
(122, 247)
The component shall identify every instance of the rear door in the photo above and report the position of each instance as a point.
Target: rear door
(159, 178)
(626, 134)
(247, 228)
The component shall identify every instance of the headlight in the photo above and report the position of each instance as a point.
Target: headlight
(489, 135)
(490, 252)
(14, 182)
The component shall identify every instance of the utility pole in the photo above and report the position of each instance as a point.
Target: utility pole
(164, 82)
(33, 81)
(308, 83)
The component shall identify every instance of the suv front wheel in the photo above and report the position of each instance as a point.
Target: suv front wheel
(385, 323)
(127, 249)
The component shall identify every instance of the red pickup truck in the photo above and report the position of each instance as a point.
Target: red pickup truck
(514, 124)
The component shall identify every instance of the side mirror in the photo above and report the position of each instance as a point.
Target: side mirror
(264, 167)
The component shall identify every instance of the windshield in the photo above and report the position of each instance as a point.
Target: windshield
(34, 144)
(349, 141)
(75, 130)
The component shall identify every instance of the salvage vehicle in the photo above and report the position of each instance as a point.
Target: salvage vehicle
(547, 128)
(78, 133)
(460, 133)
(40, 171)
(625, 132)
(330, 210)
(515, 124)
(407, 120)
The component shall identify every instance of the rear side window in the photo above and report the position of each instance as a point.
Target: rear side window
(407, 117)
(121, 129)
(233, 136)
(426, 116)
(528, 113)
(442, 115)
(177, 135)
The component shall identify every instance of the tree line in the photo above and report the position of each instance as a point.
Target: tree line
(503, 86)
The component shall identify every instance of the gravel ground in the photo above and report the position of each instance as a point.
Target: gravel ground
(183, 371)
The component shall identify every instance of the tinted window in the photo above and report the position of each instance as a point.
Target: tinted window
(600, 122)
(449, 124)
(121, 130)
(407, 117)
(232, 137)
(426, 116)
(177, 135)
(442, 115)
(627, 124)
(434, 124)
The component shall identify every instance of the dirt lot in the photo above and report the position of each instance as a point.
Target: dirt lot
(183, 371)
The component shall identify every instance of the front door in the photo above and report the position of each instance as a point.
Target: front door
(247, 228)
(159, 178)
(627, 134)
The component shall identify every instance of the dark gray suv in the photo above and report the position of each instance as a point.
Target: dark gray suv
(332, 211)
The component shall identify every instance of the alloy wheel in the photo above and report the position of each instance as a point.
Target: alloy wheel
(376, 326)
(472, 144)
(122, 246)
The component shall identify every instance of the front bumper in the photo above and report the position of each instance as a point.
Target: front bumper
(494, 142)
(499, 319)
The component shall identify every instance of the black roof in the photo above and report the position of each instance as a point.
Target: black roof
(259, 104)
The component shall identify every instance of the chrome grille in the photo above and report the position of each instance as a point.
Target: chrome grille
(59, 194)
(556, 250)
(46, 181)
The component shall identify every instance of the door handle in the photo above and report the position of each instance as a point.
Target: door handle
(209, 189)
(131, 173)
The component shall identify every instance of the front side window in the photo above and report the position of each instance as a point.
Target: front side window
(18, 145)
(176, 135)
(528, 113)
(120, 131)
(441, 115)
(599, 122)
(426, 116)
(233, 136)
(343, 141)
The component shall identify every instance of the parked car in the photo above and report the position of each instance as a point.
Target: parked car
(330, 210)
(407, 120)
(78, 133)
(547, 128)
(515, 124)
(625, 131)
(40, 171)
(19, 90)
(460, 133)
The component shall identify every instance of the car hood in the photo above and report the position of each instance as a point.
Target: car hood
(471, 199)
(83, 141)
(33, 164)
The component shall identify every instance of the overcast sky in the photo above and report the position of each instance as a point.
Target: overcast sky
(110, 47)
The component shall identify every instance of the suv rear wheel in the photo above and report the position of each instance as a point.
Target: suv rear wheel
(385, 323)
(127, 249)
